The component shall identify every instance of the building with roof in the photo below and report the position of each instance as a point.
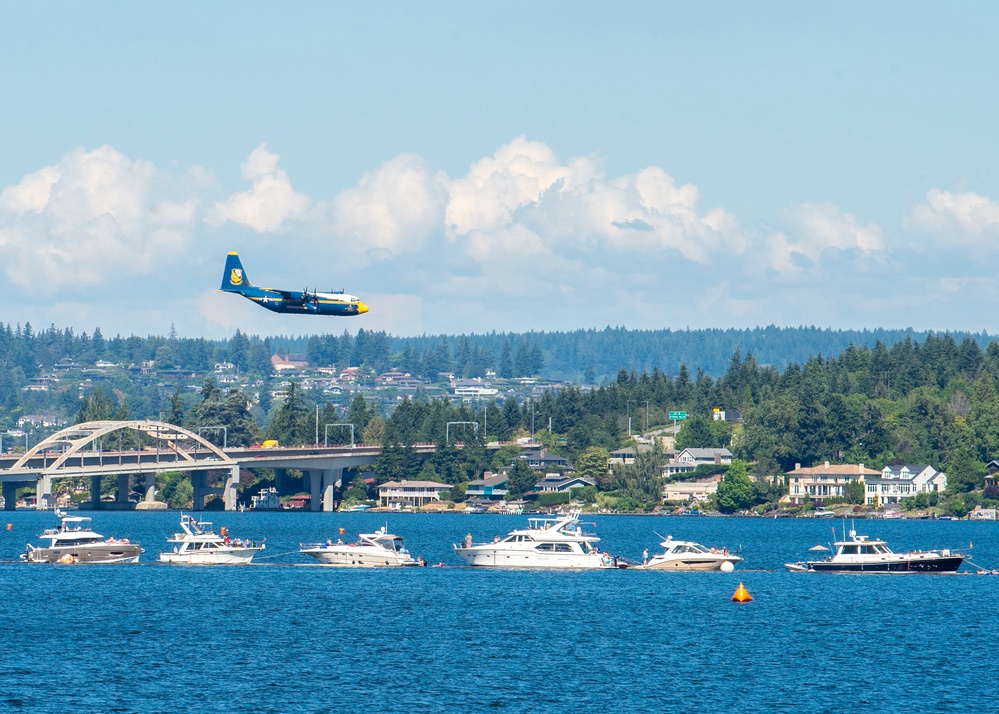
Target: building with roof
(898, 482)
(700, 490)
(827, 481)
(553, 483)
(689, 459)
(493, 486)
(413, 493)
(540, 459)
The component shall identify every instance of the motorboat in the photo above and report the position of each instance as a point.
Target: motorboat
(687, 555)
(548, 542)
(860, 554)
(378, 549)
(74, 541)
(198, 544)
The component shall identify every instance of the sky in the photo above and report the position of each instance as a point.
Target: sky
(510, 166)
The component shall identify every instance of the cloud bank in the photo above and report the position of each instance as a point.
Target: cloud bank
(523, 240)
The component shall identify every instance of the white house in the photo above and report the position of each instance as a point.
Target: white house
(689, 459)
(898, 482)
(415, 493)
(699, 490)
(826, 481)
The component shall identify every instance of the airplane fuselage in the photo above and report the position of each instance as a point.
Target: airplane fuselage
(303, 302)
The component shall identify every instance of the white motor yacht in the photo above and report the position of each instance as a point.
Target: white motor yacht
(378, 549)
(860, 554)
(198, 544)
(75, 542)
(550, 542)
(687, 555)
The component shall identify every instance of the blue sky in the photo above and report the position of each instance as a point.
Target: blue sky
(465, 167)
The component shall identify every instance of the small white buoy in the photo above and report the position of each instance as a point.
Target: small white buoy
(727, 567)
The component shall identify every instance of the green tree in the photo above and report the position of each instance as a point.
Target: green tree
(521, 478)
(735, 492)
(592, 464)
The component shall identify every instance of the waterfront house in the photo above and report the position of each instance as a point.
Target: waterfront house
(826, 481)
(540, 459)
(553, 483)
(898, 482)
(413, 493)
(492, 486)
(700, 490)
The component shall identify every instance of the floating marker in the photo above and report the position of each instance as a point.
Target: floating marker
(341, 531)
(9, 526)
(741, 594)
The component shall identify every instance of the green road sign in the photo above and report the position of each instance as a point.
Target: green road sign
(677, 416)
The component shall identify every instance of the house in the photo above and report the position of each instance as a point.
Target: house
(553, 483)
(689, 459)
(898, 482)
(413, 493)
(490, 487)
(299, 502)
(539, 459)
(289, 363)
(700, 490)
(826, 481)
(42, 420)
(627, 455)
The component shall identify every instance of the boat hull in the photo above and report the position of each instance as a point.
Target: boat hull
(103, 553)
(692, 564)
(219, 556)
(358, 558)
(500, 558)
(943, 564)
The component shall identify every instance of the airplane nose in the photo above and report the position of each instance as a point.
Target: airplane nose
(361, 308)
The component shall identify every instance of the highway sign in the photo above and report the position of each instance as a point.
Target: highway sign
(677, 416)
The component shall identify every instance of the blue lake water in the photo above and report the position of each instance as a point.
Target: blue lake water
(287, 636)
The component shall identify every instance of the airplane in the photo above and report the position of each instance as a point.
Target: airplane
(234, 280)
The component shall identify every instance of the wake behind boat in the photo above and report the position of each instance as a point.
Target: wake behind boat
(75, 542)
(545, 543)
(198, 544)
(687, 555)
(860, 554)
(378, 549)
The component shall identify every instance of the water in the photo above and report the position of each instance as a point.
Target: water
(284, 636)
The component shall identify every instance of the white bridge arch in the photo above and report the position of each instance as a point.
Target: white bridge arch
(80, 450)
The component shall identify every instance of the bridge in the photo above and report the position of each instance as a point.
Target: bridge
(81, 451)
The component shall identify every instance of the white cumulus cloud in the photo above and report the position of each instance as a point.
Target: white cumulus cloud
(270, 202)
(810, 230)
(94, 214)
(968, 218)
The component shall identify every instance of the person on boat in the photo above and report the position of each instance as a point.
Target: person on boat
(468, 540)
(645, 556)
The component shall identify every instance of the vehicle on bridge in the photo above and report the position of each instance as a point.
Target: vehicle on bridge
(75, 542)
(234, 280)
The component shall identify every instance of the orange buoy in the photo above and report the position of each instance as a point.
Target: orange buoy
(9, 526)
(741, 594)
(341, 531)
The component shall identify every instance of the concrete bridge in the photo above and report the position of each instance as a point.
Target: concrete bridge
(81, 450)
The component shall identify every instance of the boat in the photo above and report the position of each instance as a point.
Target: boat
(823, 513)
(198, 544)
(549, 542)
(378, 549)
(74, 541)
(860, 554)
(688, 555)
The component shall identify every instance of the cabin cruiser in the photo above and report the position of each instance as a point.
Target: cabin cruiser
(860, 554)
(687, 555)
(75, 542)
(378, 549)
(550, 542)
(198, 544)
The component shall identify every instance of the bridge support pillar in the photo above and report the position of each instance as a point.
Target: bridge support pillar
(315, 490)
(43, 492)
(279, 476)
(332, 482)
(150, 487)
(9, 495)
(199, 482)
(121, 495)
(230, 493)
(95, 492)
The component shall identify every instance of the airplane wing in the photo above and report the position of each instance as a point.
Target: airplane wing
(300, 299)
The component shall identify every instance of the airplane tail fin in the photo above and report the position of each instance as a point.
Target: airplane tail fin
(234, 277)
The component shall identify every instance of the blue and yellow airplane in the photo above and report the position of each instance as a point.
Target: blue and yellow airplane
(234, 280)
